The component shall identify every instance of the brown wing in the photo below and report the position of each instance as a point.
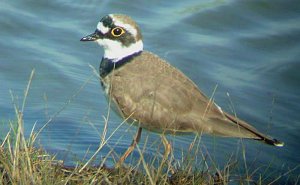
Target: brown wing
(156, 94)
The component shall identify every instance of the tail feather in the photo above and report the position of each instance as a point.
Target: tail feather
(273, 142)
(266, 139)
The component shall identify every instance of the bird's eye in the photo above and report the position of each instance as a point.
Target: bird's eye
(117, 31)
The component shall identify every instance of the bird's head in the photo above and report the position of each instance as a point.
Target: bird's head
(119, 35)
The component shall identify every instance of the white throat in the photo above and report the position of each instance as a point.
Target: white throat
(114, 50)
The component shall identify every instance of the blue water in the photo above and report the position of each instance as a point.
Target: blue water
(249, 49)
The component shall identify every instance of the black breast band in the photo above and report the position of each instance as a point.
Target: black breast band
(107, 65)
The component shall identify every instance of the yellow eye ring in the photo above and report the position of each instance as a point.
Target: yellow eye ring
(117, 31)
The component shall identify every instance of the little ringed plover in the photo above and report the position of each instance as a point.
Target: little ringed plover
(153, 94)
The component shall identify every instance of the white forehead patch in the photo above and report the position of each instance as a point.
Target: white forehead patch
(102, 28)
(128, 27)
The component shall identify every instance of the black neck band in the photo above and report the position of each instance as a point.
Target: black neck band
(107, 65)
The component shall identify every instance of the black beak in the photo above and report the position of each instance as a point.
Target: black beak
(92, 37)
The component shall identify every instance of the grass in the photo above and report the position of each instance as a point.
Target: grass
(21, 162)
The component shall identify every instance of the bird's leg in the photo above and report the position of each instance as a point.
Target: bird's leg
(130, 148)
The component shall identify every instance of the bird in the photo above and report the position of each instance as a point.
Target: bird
(149, 92)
